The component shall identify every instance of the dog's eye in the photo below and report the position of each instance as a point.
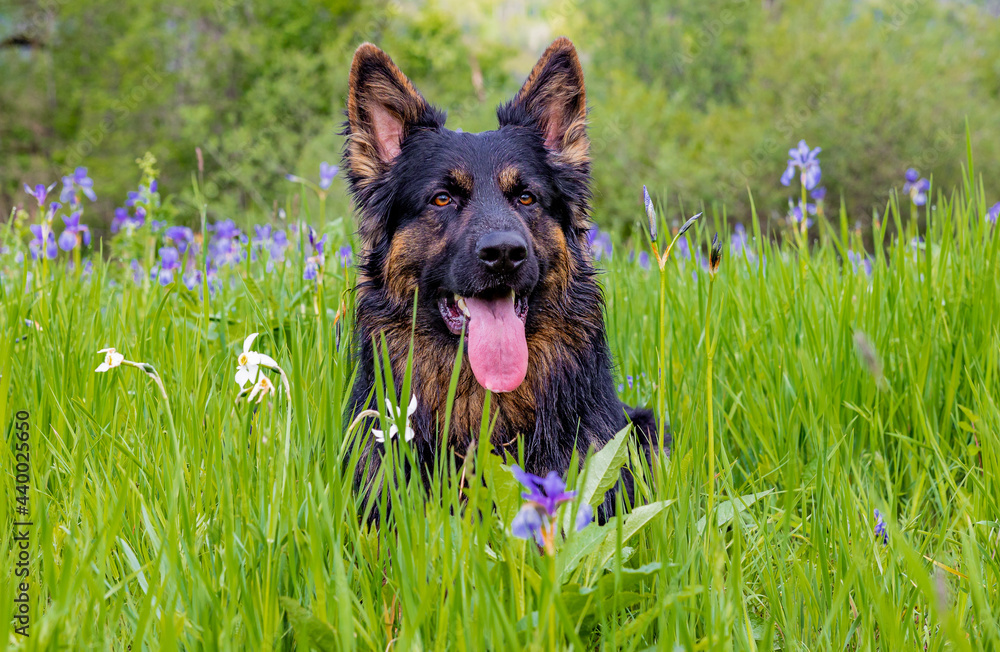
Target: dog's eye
(526, 199)
(441, 199)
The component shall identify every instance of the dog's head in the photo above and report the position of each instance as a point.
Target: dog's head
(488, 229)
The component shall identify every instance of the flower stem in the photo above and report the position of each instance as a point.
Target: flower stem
(661, 388)
(288, 425)
(710, 354)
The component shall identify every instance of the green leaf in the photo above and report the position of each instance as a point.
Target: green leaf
(727, 509)
(634, 522)
(603, 469)
(504, 489)
(311, 631)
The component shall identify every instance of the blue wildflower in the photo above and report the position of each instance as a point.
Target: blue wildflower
(537, 518)
(138, 273)
(326, 174)
(993, 213)
(880, 532)
(74, 234)
(74, 182)
(795, 213)
(859, 262)
(916, 187)
(807, 162)
(647, 202)
(316, 243)
(600, 243)
(345, 255)
(170, 260)
(39, 192)
(179, 236)
(44, 242)
(528, 525)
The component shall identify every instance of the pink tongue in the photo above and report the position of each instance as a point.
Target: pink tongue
(497, 348)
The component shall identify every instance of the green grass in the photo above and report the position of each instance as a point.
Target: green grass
(213, 539)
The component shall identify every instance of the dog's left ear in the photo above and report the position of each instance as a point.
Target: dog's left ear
(554, 101)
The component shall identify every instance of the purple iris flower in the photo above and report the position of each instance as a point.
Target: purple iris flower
(39, 192)
(819, 194)
(644, 259)
(152, 186)
(859, 261)
(138, 273)
(345, 255)
(191, 279)
(226, 229)
(528, 525)
(311, 270)
(135, 196)
(155, 225)
(77, 181)
(738, 240)
(261, 234)
(795, 213)
(326, 174)
(683, 248)
(537, 518)
(226, 245)
(316, 244)
(916, 187)
(44, 242)
(170, 260)
(180, 236)
(993, 213)
(274, 241)
(880, 532)
(74, 233)
(600, 243)
(279, 243)
(548, 492)
(123, 219)
(807, 161)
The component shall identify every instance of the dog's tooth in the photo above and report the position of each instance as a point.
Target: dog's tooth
(462, 306)
(513, 297)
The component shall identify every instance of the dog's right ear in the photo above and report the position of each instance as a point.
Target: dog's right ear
(383, 107)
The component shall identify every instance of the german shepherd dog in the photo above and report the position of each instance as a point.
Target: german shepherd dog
(489, 232)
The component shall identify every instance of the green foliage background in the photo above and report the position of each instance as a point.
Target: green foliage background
(700, 98)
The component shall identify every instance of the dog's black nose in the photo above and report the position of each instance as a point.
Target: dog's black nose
(502, 251)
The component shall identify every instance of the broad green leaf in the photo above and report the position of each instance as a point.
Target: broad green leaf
(725, 511)
(314, 632)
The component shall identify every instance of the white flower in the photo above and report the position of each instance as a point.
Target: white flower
(112, 359)
(394, 413)
(261, 388)
(249, 363)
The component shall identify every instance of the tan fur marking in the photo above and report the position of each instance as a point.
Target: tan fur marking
(411, 247)
(462, 179)
(509, 178)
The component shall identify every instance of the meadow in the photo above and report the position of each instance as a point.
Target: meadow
(832, 483)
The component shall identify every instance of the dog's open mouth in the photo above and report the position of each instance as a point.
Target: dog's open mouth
(498, 350)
